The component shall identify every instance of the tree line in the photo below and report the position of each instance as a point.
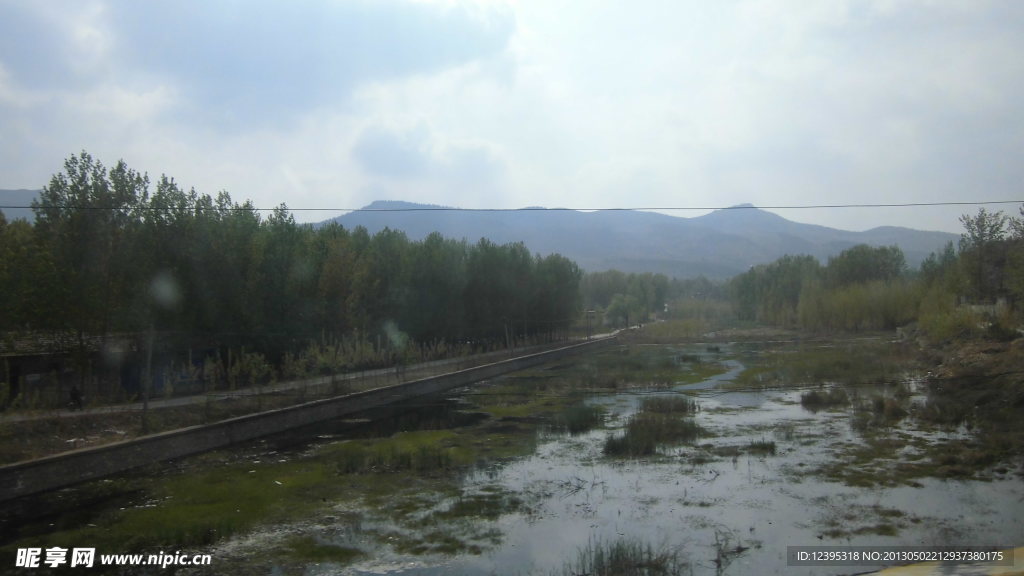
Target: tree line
(112, 253)
(624, 299)
(871, 288)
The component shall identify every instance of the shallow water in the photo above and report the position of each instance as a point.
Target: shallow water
(726, 514)
(722, 506)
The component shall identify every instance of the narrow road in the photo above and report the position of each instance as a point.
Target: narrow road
(376, 378)
(38, 474)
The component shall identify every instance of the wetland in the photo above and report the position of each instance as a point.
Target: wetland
(644, 458)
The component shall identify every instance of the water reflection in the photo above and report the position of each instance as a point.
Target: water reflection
(722, 503)
(726, 509)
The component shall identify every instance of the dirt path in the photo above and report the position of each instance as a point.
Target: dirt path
(27, 435)
(363, 380)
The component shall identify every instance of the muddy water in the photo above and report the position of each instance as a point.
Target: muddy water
(758, 504)
(724, 508)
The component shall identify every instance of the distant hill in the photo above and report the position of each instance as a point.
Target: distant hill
(717, 245)
(18, 198)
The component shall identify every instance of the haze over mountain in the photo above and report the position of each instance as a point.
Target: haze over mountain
(717, 245)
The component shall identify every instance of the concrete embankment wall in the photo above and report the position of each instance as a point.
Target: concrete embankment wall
(69, 468)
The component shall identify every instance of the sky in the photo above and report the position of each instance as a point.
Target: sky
(513, 103)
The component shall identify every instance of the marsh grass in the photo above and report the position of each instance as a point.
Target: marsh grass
(630, 367)
(766, 447)
(878, 462)
(876, 412)
(669, 405)
(943, 411)
(661, 420)
(861, 362)
(209, 498)
(422, 452)
(215, 501)
(200, 509)
(646, 431)
(532, 395)
(580, 418)
(625, 557)
(702, 371)
(816, 400)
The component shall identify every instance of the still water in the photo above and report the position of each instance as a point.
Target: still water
(714, 504)
(487, 480)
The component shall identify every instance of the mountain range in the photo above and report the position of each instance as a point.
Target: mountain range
(716, 245)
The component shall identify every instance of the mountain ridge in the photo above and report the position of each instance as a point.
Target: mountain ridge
(719, 244)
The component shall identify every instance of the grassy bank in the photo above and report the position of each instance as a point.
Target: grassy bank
(405, 483)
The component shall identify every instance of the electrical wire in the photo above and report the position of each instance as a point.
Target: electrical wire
(369, 209)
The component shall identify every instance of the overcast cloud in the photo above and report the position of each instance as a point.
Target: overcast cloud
(529, 102)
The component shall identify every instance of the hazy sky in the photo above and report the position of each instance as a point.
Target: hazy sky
(506, 104)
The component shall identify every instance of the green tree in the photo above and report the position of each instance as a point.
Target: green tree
(771, 293)
(86, 217)
(379, 286)
(26, 271)
(648, 291)
(983, 254)
(284, 282)
(623, 311)
(939, 265)
(1014, 276)
(108, 255)
(863, 264)
(598, 288)
(982, 229)
(498, 290)
(437, 281)
(557, 294)
(335, 279)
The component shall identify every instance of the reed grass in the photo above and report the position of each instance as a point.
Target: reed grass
(646, 431)
(625, 557)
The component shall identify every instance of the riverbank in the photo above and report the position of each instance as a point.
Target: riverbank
(980, 383)
(67, 468)
(30, 434)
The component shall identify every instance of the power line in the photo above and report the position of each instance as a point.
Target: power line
(670, 208)
(542, 209)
